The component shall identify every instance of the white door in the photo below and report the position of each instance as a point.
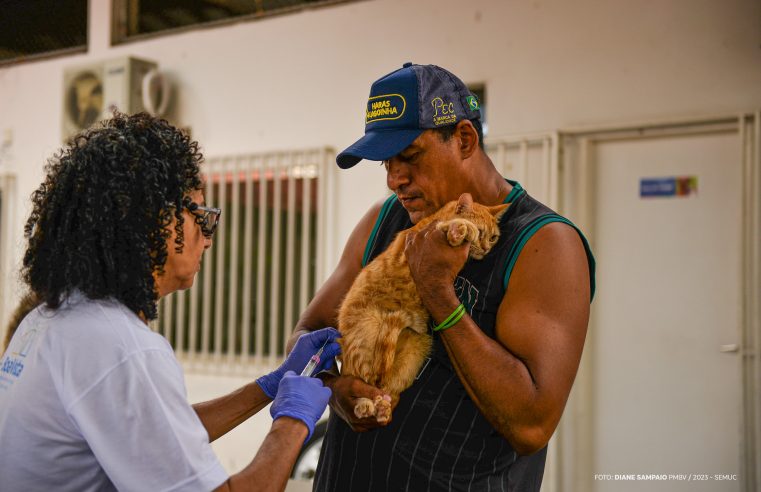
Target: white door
(667, 399)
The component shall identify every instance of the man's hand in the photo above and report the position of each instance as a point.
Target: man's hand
(346, 391)
(306, 346)
(434, 263)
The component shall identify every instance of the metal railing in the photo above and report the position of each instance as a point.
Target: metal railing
(532, 160)
(262, 268)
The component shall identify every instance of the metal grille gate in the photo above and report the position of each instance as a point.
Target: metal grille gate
(533, 160)
(262, 268)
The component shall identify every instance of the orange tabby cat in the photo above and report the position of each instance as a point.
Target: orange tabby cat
(383, 323)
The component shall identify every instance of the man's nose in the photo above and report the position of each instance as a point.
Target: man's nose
(207, 242)
(397, 174)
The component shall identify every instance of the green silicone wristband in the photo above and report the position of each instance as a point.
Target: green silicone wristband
(452, 319)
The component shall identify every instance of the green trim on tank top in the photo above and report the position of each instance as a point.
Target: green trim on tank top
(515, 192)
(382, 215)
(530, 230)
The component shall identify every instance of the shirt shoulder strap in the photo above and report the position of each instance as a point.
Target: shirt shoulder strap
(374, 234)
(530, 230)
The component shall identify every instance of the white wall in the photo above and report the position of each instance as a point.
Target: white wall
(300, 80)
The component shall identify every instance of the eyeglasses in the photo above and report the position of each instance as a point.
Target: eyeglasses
(206, 217)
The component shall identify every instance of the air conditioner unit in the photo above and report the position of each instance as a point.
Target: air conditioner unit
(92, 92)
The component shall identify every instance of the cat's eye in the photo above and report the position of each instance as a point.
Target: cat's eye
(493, 239)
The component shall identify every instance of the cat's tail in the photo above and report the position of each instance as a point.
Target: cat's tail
(392, 324)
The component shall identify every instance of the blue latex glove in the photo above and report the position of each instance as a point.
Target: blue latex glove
(301, 398)
(307, 345)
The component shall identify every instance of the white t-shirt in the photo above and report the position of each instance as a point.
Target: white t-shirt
(92, 399)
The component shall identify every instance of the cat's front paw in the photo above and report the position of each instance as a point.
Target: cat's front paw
(458, 231)
(382, 409)
(364, 408)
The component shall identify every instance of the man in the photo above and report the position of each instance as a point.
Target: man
(90, 397)
(482, 410)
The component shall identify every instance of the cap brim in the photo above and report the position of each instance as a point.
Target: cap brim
(377, 145)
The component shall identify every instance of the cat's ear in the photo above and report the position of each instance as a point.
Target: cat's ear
(464, 203)
(498, 210)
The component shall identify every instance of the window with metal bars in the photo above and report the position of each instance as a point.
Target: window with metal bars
(34, 29)
(140, 18)
(261, 270)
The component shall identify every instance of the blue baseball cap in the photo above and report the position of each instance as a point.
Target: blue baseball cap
(405, 103)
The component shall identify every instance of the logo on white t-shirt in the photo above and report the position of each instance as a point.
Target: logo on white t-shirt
(12, 364)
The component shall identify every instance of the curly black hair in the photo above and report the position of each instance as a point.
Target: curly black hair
(101, 218)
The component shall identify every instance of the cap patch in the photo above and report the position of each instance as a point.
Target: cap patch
(443, 112)
(472, 102)
(385, 107)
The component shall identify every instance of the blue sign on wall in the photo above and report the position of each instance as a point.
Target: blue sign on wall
(668, 187)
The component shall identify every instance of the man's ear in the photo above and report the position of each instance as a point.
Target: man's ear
(464, 203)
(468, 138)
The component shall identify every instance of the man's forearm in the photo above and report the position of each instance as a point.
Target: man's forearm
(499, 383)
(297, 332)
(223, 414)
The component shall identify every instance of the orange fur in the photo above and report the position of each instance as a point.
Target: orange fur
(383, 323)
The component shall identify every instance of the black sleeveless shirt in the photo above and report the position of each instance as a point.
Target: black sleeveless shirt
(438, 439)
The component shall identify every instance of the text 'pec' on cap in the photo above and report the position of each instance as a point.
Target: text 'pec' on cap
(405, 103)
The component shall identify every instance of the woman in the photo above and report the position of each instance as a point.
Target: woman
(90, 397)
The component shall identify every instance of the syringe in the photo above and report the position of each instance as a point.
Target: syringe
(312, 364)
